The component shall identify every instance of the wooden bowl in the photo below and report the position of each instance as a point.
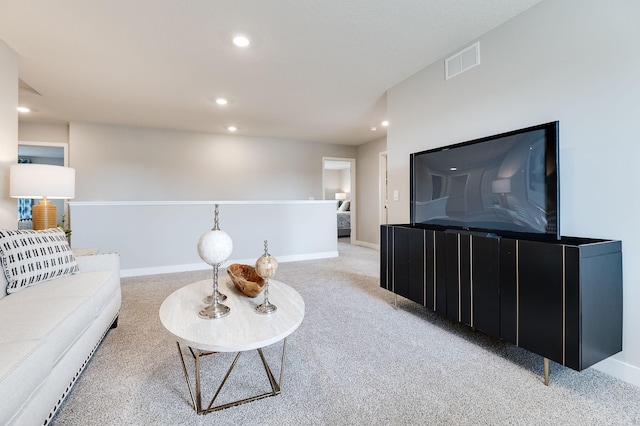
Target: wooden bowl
(246, 279)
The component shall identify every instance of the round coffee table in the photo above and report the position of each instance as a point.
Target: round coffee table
(242, 330)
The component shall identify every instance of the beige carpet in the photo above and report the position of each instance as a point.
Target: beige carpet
(354, 360)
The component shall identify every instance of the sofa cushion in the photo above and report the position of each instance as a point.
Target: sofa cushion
(58, 310)
(3, 285)
(24, 366)
(30, 257)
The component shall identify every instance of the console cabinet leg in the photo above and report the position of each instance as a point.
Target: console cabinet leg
(546, 371)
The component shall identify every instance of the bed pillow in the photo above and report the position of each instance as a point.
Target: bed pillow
(345, 206)
(30, 257)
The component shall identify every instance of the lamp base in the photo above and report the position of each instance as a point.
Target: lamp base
(44, 215)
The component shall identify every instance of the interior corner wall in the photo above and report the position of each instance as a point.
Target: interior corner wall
(120, 163)
(8, 131)
(332, 183)
(564, 60)
(368, 178)
(43, 132)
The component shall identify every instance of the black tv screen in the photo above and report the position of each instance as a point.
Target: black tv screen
(507, 183)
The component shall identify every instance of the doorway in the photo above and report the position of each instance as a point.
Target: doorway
(339, 184)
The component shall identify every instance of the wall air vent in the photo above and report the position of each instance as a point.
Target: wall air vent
(462, 61)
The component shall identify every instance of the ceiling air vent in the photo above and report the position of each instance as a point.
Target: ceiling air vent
(462, 61)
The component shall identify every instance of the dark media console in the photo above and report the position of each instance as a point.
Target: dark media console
(561, 299)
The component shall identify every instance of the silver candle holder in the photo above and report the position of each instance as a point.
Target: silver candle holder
(215, 247)
(215, 308)
(266, 267)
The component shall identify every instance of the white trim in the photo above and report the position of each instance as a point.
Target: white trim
(620, 370)
(192, 203)
(136, 272)
(383, 189)
(367, 245)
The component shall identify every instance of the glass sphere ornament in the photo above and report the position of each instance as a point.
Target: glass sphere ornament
(215, 246)
(266, 267)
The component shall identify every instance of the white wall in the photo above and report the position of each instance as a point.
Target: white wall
(369, 191)
(572, 61)
(86, 136)
(119, 163)
(160, 237)
(8, 132)
(332, 183)
(43, 132)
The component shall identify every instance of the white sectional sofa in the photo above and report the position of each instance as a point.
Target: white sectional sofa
(50, 329)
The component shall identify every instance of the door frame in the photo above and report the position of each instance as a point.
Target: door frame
(353, 196)
(383, 188)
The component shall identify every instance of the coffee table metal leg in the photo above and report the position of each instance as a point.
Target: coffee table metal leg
(284, 344)
(272, 381)
(224, 380)
(198, 389)
(186, 377)
(197, 398)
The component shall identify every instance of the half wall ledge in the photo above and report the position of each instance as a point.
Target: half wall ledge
(160, 236)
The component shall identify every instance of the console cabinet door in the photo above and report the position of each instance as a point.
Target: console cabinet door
(485, 284)
(408, 263)
(385, 264)
(508, 291)
(473, 281)
(430, 270)
(452, 278)
(540, 300)
(458, 271)
(440, 296)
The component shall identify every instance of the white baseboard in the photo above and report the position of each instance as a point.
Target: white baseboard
(366, 244)
(169, 269)
(620, 370)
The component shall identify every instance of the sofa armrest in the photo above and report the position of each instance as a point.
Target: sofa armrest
(99, 262)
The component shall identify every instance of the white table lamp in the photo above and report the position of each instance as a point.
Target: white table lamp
(42, 182)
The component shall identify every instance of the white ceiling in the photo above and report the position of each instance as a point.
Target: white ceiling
(316, 70)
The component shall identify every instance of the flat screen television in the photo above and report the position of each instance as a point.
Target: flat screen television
(502, 184)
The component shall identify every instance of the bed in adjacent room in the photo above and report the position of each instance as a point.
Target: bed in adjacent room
(344, 219)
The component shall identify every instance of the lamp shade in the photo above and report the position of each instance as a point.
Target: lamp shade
(42, 180)
(501, 186)
(341, 196)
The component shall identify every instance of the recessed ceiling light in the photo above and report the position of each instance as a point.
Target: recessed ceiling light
(232, 128)
(221, 101)
(23, 109)
(385, 123)
(373, 129)
(241, 40)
